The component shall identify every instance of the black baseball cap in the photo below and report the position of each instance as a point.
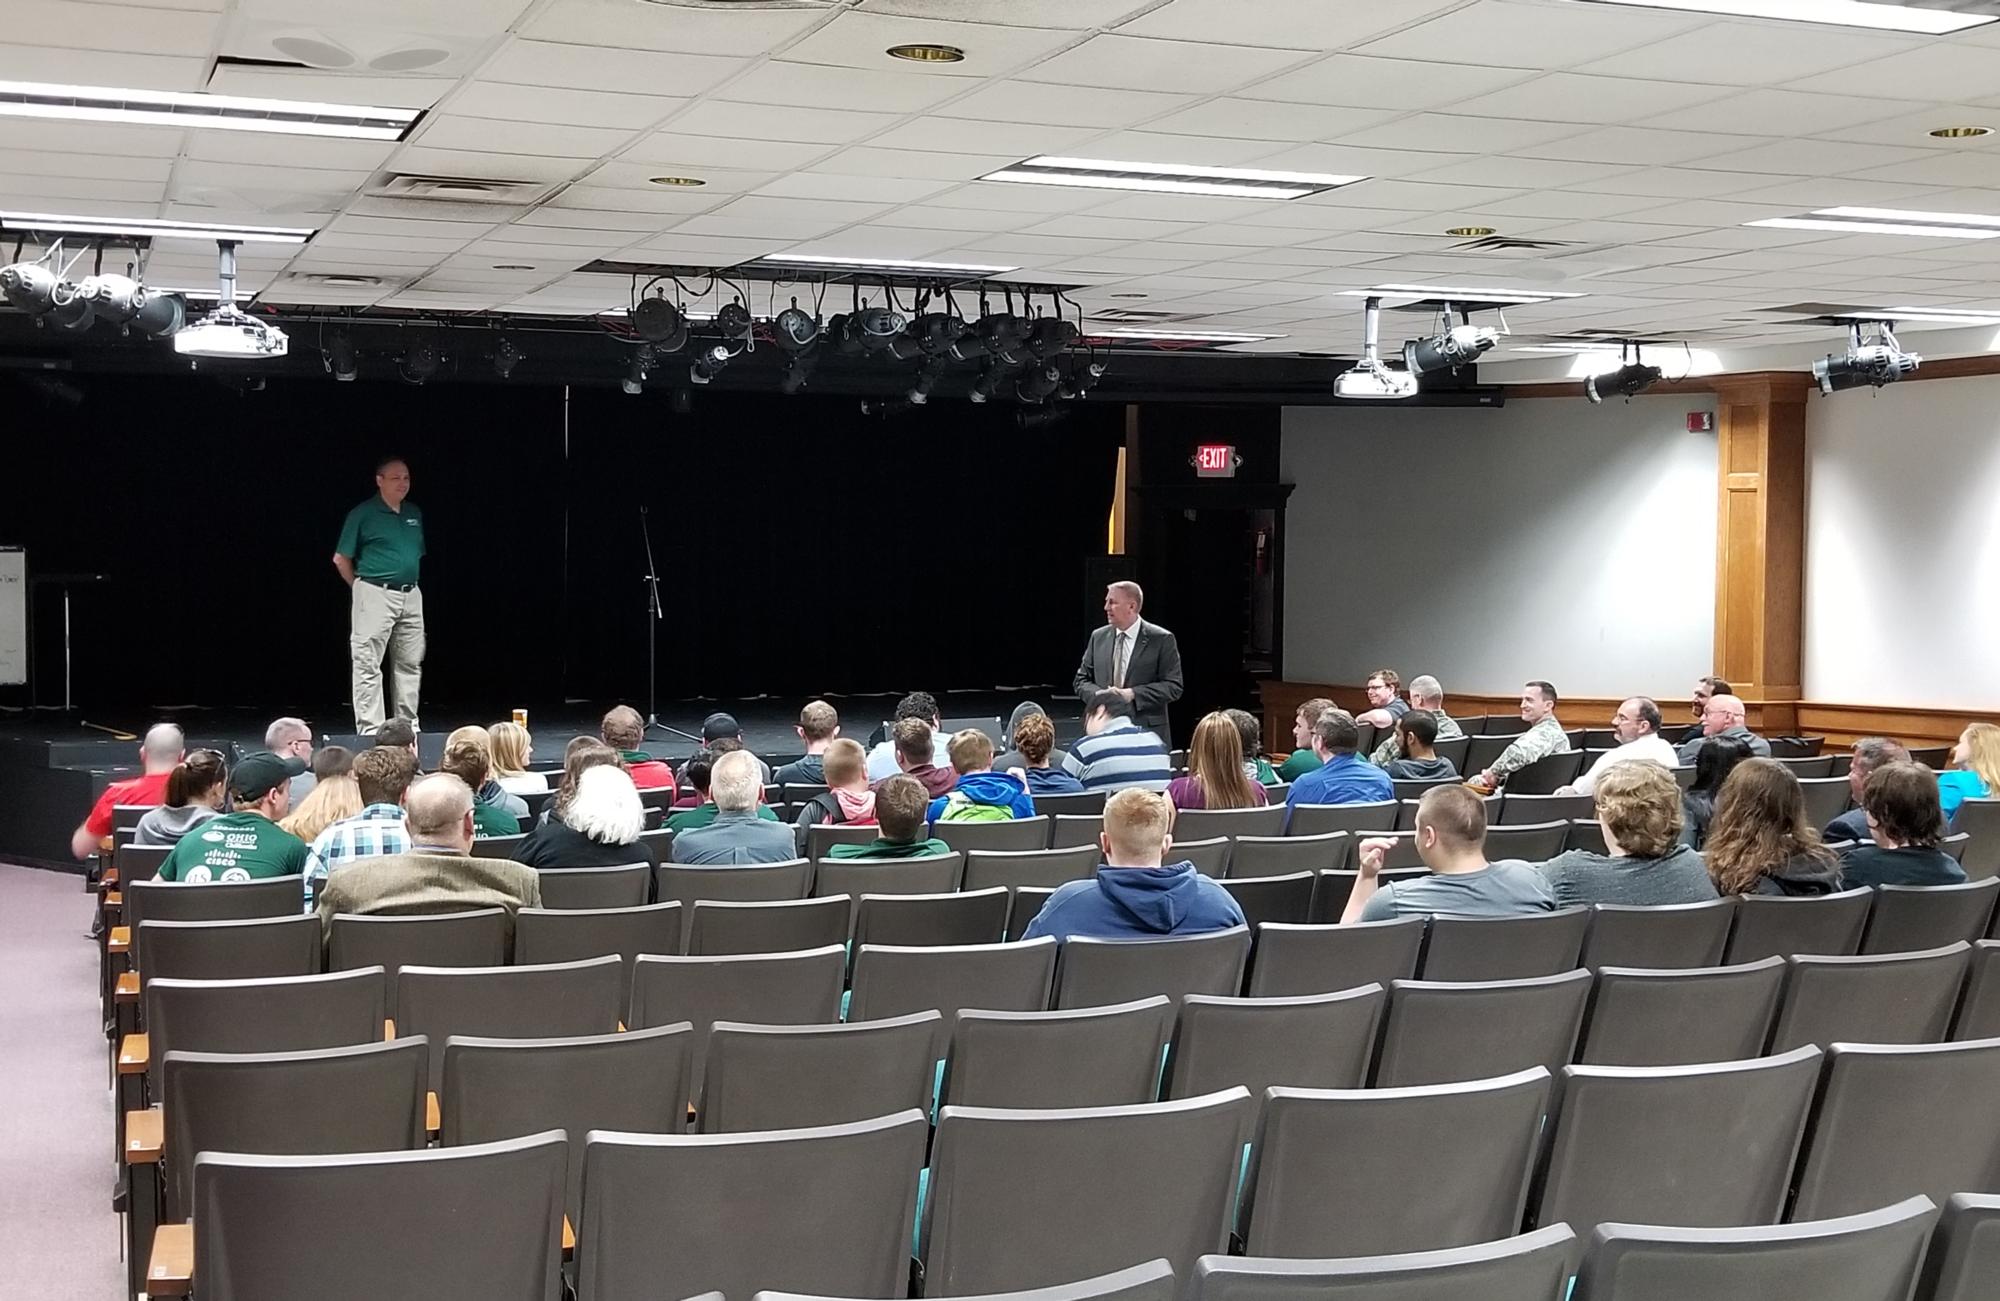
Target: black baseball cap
(258, 774)
(717, 726)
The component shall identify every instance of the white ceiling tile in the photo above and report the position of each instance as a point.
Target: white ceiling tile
(901, 243)
(1520, 173)
(1090, 227)
(916, 164)
(1496, 33)
(870, 189)
(289, 151)
(1312, 24)
(1671, 182)
(326, 87)
(1197, 151)
(550, 105)
(93, 138)
(1134, 63)
(1570, 97)
(131, 28)
(952, 136)
(677, 153)
(1798, 193)
(1460, 133)
(1753, 54)
(715, 180)
(776, 228)
(35, 162)
(858, 39)
(1356, 81)
(564, 237)
(1709, 213)
(1566, 204)
(930, 216)
(1940, 169)
(621, 24)
(1078, 15)
(500, 138)
(398, 243)
(33, 193)
(1066, 106)
(614, 198)
(1777, 112)
(702, 250)
(1261, 120)
(597, 67)
(1346, 160)
(1913, 128)
(1812, 157)
(1941, 69)
(513, 250)
(816, 85)
(600, 220)
(780, 122)
(1172, 207)
(1635, 146)
(100, 68)
(1415, 196)
(1017, 198)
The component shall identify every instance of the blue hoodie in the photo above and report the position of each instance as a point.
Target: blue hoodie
(1137, 902)
(999, 789)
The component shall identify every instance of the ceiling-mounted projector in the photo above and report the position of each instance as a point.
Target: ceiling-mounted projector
(227, 333)
(1369, 378)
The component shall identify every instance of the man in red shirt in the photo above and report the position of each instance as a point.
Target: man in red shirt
(624, 731)
(160, 752)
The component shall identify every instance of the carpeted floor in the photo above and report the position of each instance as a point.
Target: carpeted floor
(58, 1236)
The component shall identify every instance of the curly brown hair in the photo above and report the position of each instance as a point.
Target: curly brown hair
(1759, 826)
(1639, 804)
(1035, 738)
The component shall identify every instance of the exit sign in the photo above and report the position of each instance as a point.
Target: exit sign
(1215, 461)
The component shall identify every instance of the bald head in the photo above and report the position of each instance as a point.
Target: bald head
(1722, 712)
(438, 809)
(162, 748)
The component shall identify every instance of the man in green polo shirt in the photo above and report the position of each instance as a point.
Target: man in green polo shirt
(900, 802)
(246, 843)
(381, 546)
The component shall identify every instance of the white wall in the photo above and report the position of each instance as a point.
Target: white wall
(1903, 545)
(1548, 539)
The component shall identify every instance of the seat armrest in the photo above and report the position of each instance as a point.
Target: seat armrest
(120, 940)
(135, 1054)
(113, 899)
(431, 1118)
(127, 988)
(145, 1136)
(170, 1267)
(569, 1239)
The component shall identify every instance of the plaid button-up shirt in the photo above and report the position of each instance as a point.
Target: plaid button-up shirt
(376, 830)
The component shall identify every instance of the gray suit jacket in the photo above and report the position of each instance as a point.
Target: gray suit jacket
(1154, 673)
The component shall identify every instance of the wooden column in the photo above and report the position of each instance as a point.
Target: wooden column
(1760, 540)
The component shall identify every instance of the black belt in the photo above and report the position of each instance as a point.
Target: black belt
(392, 587)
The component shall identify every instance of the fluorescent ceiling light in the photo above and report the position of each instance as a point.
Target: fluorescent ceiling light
(1838, 13)
(56, 224)
(226, 112)
(1170, 178)
(1934, 315)
(883, 264)
(1900, 214)
(1875, 227)
(1177, 336)
(1457, 293)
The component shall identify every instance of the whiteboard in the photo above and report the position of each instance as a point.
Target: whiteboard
(13, 615)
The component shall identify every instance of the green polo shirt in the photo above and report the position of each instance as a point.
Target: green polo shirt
(385, 545)
(234, 847)
(879, 848)
(703, 814)
(492, 820)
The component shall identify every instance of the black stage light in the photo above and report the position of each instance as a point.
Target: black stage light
(794, 330)
(505, 357)
(1051, 335)
(877, 327)
(1449, 349)
(797, 371)
(988, 383)
(339, 357)
(420, 361)
(659, 321)
(644, 358)
(733, 321)
(708, 364)
(1628, 381)
(1038, 384)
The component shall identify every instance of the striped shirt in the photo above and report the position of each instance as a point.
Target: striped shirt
(1120, 756)
(376, 830)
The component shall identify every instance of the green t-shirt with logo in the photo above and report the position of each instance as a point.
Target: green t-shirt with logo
(385, 545)
(235, 847)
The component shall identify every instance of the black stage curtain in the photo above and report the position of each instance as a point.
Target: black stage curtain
(804, 547)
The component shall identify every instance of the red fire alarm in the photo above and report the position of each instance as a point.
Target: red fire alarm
(1701, 422)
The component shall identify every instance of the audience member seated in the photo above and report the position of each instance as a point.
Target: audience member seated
(1975, 771)
(595, 818)
(336, 795)
(1416, 741)
(1343, 777)
(848, 800)
(624, 731)
(290, 738)
(1639, 809)
(698, 810)
(1637, 727)
(1759, 841)
(916, 750)
(900, 802)
(1385, 706)
(980, 794)
(438, 873)
(401, 734)
(1705, 690)
(1723, 716)
(1713, 763)
(513, 747)
(721, 733)
(1544, 737)
(1115, 753)
(922, 706)
(1035, 757)
(246, 843)
(1869, 753)
(1052, 758)
(489, 791)
(160, 753)
(193, 796)
(1215, 777)
(1251, 732)
(382, 774)
(1427, 694)
(1905, 826)
(1451, 837)
(738, 834)
(1302, 760)
(1136, 894)
(465, 758)
(818, 725)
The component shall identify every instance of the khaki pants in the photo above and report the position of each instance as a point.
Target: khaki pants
(393, 622)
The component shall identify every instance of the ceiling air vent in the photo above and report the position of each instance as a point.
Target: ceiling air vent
(1138, 315)
(1509, 244)
(463, 189)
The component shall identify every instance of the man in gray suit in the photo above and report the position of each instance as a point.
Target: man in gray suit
(1139, 660)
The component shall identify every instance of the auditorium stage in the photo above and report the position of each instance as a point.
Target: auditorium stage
(53, 765)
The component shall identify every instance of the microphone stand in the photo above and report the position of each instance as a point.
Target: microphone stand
(654, 615)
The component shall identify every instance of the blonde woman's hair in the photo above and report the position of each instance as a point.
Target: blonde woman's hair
(510, 743)
(330, 800)
(1982, 742)
(1639, 803)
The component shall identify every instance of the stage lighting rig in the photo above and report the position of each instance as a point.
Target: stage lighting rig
(506, 356)
(1000, 336)
(794, 330)
(644, 358)
(733, 320)
(1051, 335)
(1080, 383)
(1452, 346)
(660, 322)
(1874, 364)
(988, 384)
(708, 364)
(1039, 384)
(340, 358)
(421, 360)
(46, 295)
(1370, 378)
(1628, 381)
(797, 371)
(931, 335)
